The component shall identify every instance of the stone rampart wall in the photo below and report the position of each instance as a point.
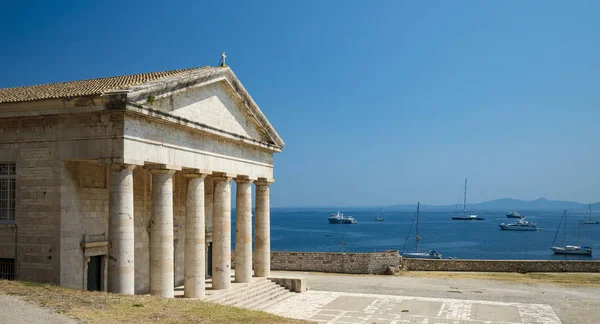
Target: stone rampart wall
(501, 265)
(356, 263)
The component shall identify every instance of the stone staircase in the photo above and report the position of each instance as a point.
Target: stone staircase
(259, 294)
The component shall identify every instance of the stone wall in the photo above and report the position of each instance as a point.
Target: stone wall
(39, 145)
(501, 265)
(356, 263)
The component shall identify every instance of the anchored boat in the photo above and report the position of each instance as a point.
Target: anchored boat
(569, 249)
(338, 218)
(588, 219)
(418, 255)
(465, 216)
(514, 214)
(521, 225)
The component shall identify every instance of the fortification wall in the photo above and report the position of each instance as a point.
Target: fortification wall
(501, 265)
(355, 263)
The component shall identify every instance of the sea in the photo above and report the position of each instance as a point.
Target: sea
(308, 230)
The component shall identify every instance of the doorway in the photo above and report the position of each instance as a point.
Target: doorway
(209, 259)
(94, 275)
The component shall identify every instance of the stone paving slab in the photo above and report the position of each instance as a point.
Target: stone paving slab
(349, 308)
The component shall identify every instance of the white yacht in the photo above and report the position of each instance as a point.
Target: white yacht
(520, 225)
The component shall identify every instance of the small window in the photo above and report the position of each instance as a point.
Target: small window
(7, 192)
(7, 269)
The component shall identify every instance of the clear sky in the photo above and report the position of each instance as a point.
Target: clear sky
(379, 102)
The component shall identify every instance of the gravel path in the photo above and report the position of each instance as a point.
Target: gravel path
(14, 310)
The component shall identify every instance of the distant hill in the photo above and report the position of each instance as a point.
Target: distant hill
(503, 204)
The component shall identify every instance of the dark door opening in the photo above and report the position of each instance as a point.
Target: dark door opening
(94, 278)
(7, 269)
(209, 259)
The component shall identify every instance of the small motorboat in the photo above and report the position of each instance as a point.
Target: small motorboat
(328, 234)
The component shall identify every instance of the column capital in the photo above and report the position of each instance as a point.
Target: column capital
(244, 179)
(157, 168)
(121, 166)
(196, 173)
(223, 176)
(264, 181)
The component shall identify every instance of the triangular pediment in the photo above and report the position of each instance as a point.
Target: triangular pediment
(211, 98)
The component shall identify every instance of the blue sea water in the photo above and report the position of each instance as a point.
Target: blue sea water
(304, 230)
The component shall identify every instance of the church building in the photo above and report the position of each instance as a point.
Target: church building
(123, 184)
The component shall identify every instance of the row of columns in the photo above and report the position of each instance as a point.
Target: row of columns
(121, 271)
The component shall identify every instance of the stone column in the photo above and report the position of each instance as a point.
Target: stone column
(243, 230)
(221, 263)
(209, 197)
(194, 258)
(262, 229)
(121, 229)
(208, 202)
(161, 235)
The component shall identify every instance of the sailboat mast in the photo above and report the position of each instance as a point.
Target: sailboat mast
(565, 231)
(465, 202)
(417, 230)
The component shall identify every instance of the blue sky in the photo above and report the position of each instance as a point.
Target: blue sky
(379, 102)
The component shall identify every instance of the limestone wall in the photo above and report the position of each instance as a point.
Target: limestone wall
(356, 263)
(501, 265)
(39, 145)
(84, 206)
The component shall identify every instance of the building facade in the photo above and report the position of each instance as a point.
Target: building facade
(124, 183)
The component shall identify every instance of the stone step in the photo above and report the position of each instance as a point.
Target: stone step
(274, 299)
(260, 297)
(260, 292)
(227, 295)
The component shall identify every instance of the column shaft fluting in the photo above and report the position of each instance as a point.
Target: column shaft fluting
(194, 258)
(121, 230)
(243, 230)
(161, 235)
(221, 265)
(209, 196)
(262, 231)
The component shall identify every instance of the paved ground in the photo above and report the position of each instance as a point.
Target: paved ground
(339, 307)
(13, 310)
(435, 300)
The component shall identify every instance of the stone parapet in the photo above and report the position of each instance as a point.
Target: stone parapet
(355, 263)
(501, 265)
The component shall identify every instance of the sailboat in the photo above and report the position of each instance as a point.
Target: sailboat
(589, 219)
(418, 255)
(569, 249)
(465, 216)
(379, 218)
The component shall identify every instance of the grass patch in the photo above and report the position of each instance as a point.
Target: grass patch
(99, 307)
(563, 278)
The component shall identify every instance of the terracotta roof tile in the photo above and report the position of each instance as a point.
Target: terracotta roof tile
(79, 88)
